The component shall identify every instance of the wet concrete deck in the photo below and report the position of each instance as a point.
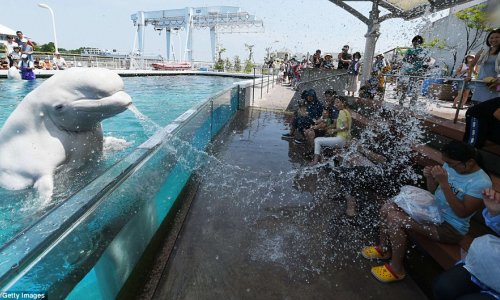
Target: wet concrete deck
(260, 227)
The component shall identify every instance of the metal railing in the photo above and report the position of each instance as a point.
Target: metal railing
(418, 86)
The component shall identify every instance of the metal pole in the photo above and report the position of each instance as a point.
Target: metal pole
(273, 77)
(268, 70)
(460, 102)
(42, 5)
(261, 81)
(211, 117)
(253, 87)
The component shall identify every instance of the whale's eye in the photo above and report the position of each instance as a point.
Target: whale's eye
(59, 107)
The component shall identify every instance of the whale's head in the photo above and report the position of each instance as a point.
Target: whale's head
(77, 99)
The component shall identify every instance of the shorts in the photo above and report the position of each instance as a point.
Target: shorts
(448, 234)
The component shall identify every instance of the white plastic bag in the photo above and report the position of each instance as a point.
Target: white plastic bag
(419, 204)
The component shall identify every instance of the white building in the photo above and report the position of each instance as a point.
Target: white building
(5, 31)
(451, 35)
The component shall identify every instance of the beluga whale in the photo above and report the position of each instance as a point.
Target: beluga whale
(58, 125)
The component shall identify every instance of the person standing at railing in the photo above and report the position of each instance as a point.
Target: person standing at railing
(344, 58)
(353, 71)
(413, 66)
(488, 61)
(482, 121)
(10, 44)
(59, 62)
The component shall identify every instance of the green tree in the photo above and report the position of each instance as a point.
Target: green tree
(219, 65)
(228, 64)
(237, 64)
(248, 66)
(49, 47)
(475, 21)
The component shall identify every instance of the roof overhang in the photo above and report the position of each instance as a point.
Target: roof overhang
(6, 30)
(406, 9)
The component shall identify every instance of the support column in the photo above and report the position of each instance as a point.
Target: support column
(213, 43)
(167, 37)
(371, 41)
(140, 32)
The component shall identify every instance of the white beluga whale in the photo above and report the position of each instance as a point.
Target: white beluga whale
(58, 123)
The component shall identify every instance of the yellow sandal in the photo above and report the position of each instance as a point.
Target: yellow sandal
(374, 252)
(386, 274)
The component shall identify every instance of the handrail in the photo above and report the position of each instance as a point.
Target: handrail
(322, 78)
(444, 78)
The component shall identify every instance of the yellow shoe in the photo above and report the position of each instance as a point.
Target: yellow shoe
(386, 274)
(374, 252)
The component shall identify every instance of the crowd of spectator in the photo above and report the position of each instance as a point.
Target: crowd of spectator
(458, 188)
(21, 62)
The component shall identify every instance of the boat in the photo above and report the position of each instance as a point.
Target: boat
(176, 66)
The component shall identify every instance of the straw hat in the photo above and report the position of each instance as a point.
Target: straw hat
(328, 54)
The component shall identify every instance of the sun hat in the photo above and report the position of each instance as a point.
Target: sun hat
(328, 54)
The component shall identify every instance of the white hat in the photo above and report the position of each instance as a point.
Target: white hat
(23, 56)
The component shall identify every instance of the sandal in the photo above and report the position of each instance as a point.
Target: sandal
(386, 274)
(374, 252)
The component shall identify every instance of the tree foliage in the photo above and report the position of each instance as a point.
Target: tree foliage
(475, 21)
(237, 64)
(248, 66)
(228, 64)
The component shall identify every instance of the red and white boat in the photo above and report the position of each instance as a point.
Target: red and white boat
(175, 66)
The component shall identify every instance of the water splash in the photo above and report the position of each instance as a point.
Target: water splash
(149, 126)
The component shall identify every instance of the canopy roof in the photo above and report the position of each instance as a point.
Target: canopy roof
(406, 9)
(6, 30)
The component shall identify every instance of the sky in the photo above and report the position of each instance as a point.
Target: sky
(295, 25)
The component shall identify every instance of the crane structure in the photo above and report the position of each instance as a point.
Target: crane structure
(219, 19)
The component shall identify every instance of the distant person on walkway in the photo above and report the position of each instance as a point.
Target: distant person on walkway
(344, 58)
(317, 59)
(47, 64)
(26, 44)
(327, 62)
(478, 275)
(482, 122)
(353, 71)
(462, 73)
(413, 65)
(58, 62)
(26, 66)
(9, 49)
(488, 61)
(457, 188)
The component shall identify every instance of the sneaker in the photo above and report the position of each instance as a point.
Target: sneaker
(298, 142)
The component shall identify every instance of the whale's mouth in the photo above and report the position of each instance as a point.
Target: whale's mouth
(86, 114)
(105, 107)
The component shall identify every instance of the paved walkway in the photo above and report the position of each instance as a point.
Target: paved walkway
(278, 97)
(262, 227)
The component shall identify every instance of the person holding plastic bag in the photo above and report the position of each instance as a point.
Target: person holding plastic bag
(478, 276)
(457, 188)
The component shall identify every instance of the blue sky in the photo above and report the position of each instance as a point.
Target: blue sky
(297, 25)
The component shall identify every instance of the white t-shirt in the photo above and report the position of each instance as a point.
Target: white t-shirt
(60, 63)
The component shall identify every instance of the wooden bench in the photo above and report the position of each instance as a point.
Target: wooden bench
(446, 255)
